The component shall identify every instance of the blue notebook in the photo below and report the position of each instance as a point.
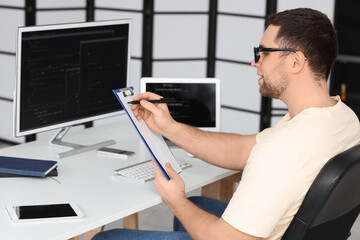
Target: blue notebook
(52, 173)
(26, 166)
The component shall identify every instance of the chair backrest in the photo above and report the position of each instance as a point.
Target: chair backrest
(332, 203)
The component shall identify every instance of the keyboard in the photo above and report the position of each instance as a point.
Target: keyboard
(144, 171)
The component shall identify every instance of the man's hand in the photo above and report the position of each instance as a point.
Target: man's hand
(156, 116)
(172, 191)
(198, 223)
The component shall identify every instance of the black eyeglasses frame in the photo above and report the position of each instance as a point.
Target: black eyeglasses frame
(259, 49)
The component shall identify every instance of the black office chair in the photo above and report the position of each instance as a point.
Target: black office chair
(332, 203)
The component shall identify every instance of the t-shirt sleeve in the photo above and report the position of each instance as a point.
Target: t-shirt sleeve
(269, 186)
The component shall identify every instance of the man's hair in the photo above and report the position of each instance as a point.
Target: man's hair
(310, 32)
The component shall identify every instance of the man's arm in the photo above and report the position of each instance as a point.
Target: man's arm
(198, 223)
(226, 150)
(208, 146)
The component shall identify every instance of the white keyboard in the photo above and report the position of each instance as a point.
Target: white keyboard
(144, 171)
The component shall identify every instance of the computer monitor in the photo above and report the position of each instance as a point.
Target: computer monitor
(65, 75)
(197, 99)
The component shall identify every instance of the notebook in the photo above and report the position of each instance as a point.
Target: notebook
(52, 173)
(26, 166)
(153, 141)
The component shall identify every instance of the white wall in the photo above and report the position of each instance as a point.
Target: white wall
(10, 19)
(236, 37)
(325, 6)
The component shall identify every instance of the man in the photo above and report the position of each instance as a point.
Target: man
(279, 164)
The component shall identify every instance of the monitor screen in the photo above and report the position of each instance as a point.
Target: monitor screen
(197, 100)
(66, 73)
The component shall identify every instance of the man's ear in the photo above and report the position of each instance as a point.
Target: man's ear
(298, 63)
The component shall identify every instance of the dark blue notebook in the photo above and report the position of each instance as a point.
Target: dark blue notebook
(52, 173)
(26, 166)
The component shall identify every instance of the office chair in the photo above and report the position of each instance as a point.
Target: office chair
(332, 203)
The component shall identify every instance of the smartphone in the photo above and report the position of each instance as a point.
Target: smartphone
(44, 212)
(114, 152)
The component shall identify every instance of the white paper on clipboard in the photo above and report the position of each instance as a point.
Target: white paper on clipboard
(153, 141)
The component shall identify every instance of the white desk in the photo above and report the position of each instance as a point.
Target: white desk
(87, 180)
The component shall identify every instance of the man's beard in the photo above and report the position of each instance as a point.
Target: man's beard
(269, 89)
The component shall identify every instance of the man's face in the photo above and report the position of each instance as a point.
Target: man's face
(273, 79)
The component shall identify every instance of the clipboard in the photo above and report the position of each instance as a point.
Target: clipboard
(154, 142)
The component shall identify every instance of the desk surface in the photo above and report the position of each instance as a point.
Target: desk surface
(86, 179)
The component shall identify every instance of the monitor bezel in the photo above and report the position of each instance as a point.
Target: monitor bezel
(17, 115)
(216, 81)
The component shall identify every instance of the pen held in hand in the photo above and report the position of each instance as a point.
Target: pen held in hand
(161, 100)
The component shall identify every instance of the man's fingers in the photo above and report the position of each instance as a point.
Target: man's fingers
(149, 106)
(171, 172)
(157, 169)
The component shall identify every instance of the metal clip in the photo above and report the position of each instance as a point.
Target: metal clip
(127, 91)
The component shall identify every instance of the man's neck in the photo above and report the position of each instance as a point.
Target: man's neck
(304, 96)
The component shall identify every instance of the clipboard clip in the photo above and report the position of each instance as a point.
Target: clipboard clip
(127, 91)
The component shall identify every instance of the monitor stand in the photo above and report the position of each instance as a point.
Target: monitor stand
(75, 148)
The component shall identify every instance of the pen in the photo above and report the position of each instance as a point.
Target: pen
(161, 100)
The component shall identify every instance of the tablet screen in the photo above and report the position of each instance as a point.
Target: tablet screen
(44, 211)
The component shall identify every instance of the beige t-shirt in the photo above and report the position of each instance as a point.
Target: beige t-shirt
(283, 164)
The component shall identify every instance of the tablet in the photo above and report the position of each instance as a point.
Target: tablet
(44, 212)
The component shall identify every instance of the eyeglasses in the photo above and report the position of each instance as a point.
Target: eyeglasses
(259, 49)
